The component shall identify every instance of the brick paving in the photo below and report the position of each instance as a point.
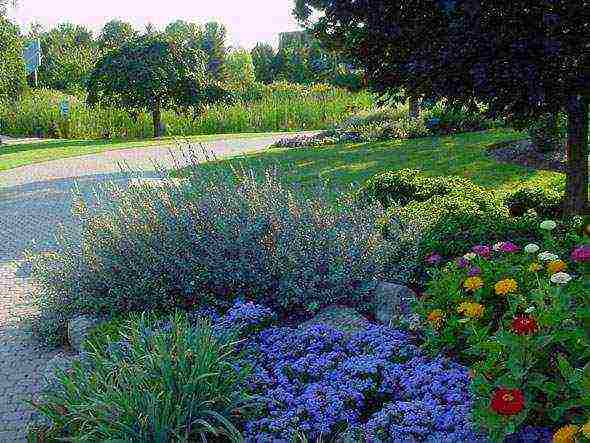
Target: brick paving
(33, 201)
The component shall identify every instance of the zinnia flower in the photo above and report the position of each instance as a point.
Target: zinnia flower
(474, 271)
(561, 278)
(434, 259)
(462, 262)
(470, 256)
(548, 256)
(509, 247)
(535, 267)
(498, 246)
(482, 250)
(565, 434)
(473, 283)
(548, 225)
(507, 401)
(524, 325)
(581, 254)
(436, 317)
(556, 266)
(471, 309)
(506, 286)
(531, 248)
(586, 430)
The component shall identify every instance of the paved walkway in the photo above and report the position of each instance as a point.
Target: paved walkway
(33, 201)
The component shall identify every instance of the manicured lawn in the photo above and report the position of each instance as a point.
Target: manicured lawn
(343, 165)
(14, 156)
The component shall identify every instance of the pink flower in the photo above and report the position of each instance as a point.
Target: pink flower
(482, 250)
(509, 247)
(434, 259)
(581, 254)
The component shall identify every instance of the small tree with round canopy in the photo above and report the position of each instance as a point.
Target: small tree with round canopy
(153, 73)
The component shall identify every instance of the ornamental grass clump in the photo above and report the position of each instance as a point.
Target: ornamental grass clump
(215, 237)
(173, 383)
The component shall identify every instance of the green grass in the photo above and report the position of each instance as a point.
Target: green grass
(345, 165)
(22, 154)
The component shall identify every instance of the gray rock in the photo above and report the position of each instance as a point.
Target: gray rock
(392, 304)
(78, 329)
(344, 319)
(61, 362)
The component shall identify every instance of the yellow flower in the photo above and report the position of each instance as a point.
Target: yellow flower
(535, 267)
(565, 434)
(556, 266)
(436, 317)
(473, 283)
(586, 430)
(471, 309)
(506, 286)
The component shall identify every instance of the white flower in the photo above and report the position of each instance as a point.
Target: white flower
(530, 309)
(548, 225)
(548, 256)
(498, 246)
(531, 248)
(561, 278)
(470, 256)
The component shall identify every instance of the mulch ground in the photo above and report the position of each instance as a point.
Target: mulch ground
(525, 153)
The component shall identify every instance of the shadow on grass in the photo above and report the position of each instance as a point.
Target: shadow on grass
(344, 165)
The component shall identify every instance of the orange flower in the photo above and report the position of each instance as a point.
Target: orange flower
(471, 309)
(473, 283)
(437, 318)
(556, 266)
(506, 286)
(565, 434)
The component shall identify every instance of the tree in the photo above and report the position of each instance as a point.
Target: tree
(190, 34)
(263, 59)
(114, 34)
(522, 58)
(12, 69)
(153, 73)
(214, 35)
(69, 52)
(239, 69)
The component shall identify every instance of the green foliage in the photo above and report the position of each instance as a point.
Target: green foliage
(548, 132)
(12, 67)
(115, 34)
(219, 236)
(239, 70)
(151, 74)
(545, 357)
(263, 59)
(69, 53)
(547, 202)
(261, 108)
(156, 381)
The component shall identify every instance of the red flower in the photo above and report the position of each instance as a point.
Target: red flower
(507, 401)
(524, 324)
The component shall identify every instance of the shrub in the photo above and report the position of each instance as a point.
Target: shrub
(155, 384)
(520, 317)
(548, 133)
(217, 237)
(546, 202)
(410, 185)
(13, 78)
(374, 385)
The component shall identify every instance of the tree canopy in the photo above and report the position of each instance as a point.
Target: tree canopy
(114, 34)
(522, 58)
(152, 73)
(12, 68)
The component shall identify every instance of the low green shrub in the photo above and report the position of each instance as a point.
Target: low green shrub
(548, 132)
(520, 316)
(410, 185)
(546, 202)
(159, 382)
(219, 236)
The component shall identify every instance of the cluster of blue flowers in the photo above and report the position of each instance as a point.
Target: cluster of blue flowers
(373, 385)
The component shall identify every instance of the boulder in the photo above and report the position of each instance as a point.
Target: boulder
(392, 304)
(78, 329)
(344, 319)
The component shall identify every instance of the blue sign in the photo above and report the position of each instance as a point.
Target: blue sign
(32, 55)
(64, 108)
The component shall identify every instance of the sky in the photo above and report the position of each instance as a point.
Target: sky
(247, 21)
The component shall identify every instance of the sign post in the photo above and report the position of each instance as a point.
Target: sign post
(32, 55)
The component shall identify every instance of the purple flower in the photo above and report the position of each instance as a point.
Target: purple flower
(434, 259)
(509, 247)
(462, 262)
(581, 254)
(474, 271)
(482, 250)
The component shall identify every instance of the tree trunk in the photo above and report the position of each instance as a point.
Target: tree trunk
(157, 118)
(414, 105)
(576, 195)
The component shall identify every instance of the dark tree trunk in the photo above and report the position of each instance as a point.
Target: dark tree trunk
(414, 105)
(157, 118)
(576, 196)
